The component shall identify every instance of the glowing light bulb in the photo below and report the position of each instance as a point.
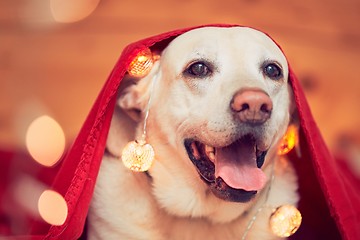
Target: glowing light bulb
(138, 156)
(142, 64)
(285, 221)
(289, 140)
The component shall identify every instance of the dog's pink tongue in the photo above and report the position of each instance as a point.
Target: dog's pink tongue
(236, 165)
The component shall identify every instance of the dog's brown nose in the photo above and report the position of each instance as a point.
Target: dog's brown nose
(252, 106)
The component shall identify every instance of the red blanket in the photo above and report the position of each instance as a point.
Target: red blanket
(330, 196)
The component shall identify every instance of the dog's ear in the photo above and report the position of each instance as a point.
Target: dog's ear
(294, 116)
(292, 107)
(134, 96)
(129, 102)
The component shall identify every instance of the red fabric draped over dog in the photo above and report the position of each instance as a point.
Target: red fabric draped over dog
(330, 200)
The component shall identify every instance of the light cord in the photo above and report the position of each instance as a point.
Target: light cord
(253, 219)
(143, 137)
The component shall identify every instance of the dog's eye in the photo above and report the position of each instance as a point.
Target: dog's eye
(198, 69)
(272, 71)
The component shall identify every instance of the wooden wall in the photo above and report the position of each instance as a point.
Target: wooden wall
(58, 68)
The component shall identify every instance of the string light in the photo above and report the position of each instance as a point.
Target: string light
(142, 64)
(289, 140)
(138, 155)
(285, 221)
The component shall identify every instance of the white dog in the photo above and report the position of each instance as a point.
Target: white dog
(220, 105)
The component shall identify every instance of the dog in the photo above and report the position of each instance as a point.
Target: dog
(221, 103)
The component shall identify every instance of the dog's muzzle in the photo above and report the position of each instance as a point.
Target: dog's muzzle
(232, 172)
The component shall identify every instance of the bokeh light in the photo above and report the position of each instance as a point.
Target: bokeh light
(35, 14)
(45, 140)
(68, 11)
(52, 207)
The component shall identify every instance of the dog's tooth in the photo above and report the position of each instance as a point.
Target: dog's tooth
(210, 152)
(209, 149)
(211, 156)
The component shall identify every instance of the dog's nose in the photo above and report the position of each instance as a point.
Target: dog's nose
(252, 106)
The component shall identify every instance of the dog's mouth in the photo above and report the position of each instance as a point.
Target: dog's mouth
(232, 172)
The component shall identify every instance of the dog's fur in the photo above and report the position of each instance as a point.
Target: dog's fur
(171, 201)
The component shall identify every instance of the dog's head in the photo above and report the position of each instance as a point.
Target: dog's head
(221, 103)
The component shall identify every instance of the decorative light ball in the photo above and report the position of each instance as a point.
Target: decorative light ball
(285, 221)
(142, 63)
(289, 140)
(138, 156)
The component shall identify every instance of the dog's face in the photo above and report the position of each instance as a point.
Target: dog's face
(220, 105)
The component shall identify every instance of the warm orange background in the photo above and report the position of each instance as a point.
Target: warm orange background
(53, 68)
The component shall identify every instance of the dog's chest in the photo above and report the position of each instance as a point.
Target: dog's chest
(199, 229)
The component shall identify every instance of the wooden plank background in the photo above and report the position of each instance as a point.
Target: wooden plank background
(59, 68)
